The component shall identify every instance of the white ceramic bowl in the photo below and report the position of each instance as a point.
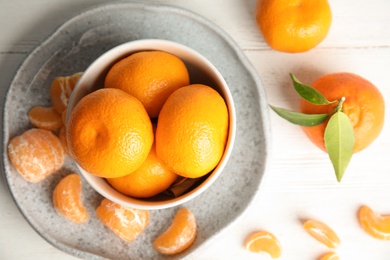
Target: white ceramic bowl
(200, 70)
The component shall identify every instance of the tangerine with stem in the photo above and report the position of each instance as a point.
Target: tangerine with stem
(364, 105)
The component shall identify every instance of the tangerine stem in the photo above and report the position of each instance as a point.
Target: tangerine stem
(340, 104)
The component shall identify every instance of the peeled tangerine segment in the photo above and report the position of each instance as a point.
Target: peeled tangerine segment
(374, 224)
(126, 223)
(64, 141)
(322, 233)
(60, 90)
(330, 256)
(36, 154)
(67, 199)
(45, 118)
(179, 236)
(265, 242)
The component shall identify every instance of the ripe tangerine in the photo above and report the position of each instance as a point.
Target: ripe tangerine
(109, 133)
(150, 76)
(364, 105)
(293, 26)
(192, 130)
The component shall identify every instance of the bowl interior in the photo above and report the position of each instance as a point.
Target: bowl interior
(201, 71)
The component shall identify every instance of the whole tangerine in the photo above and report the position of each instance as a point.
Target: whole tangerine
(109, 133)
(192, 130)
(364, 105)
(150, 76)
(151, 178)
(293, 25)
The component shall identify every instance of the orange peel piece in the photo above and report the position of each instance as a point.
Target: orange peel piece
(374, 224)
(263, 241)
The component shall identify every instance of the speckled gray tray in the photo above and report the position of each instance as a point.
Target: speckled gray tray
(75, 45)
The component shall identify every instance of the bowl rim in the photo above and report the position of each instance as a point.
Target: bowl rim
(125, 49)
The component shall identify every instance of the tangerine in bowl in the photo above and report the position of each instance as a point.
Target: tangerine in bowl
(151, 124)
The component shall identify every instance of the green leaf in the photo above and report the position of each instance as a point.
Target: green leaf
(308, 93)
(339, 142)
(300, 118)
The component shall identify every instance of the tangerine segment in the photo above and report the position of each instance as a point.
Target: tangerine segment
(64, 141)
(322, 233)
(364, 105)
(263, 241)
(109, 133)
(192, 130)
(330, 256)
(60, 90)
(374, 224)
(149, 76)
(150, 179)
(126, 223)
(45, 117)
(67, 199)
(36, 154)
(63, 117)
(179, 236)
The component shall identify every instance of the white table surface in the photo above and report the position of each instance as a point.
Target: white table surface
(299, 182)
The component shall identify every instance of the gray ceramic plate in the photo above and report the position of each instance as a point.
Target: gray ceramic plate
(71, 49)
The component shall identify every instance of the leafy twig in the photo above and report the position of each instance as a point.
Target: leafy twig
(338, 137)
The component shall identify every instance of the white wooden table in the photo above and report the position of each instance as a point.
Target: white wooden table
(299, 183)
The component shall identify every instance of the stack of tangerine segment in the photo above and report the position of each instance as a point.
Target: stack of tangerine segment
(148, 125)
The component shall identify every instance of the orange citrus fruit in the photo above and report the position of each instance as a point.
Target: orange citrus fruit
(330, 256)
(60, 90)
(36, 154)
(265, 242)
(179, 236)
(126, 223)
(364, 105)
(291, 25)
(151, 178)
(109, 133)
(45, 117)
(322, 233)
(67, 199)
(374, 224)
(150, 76)
(192, 130)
